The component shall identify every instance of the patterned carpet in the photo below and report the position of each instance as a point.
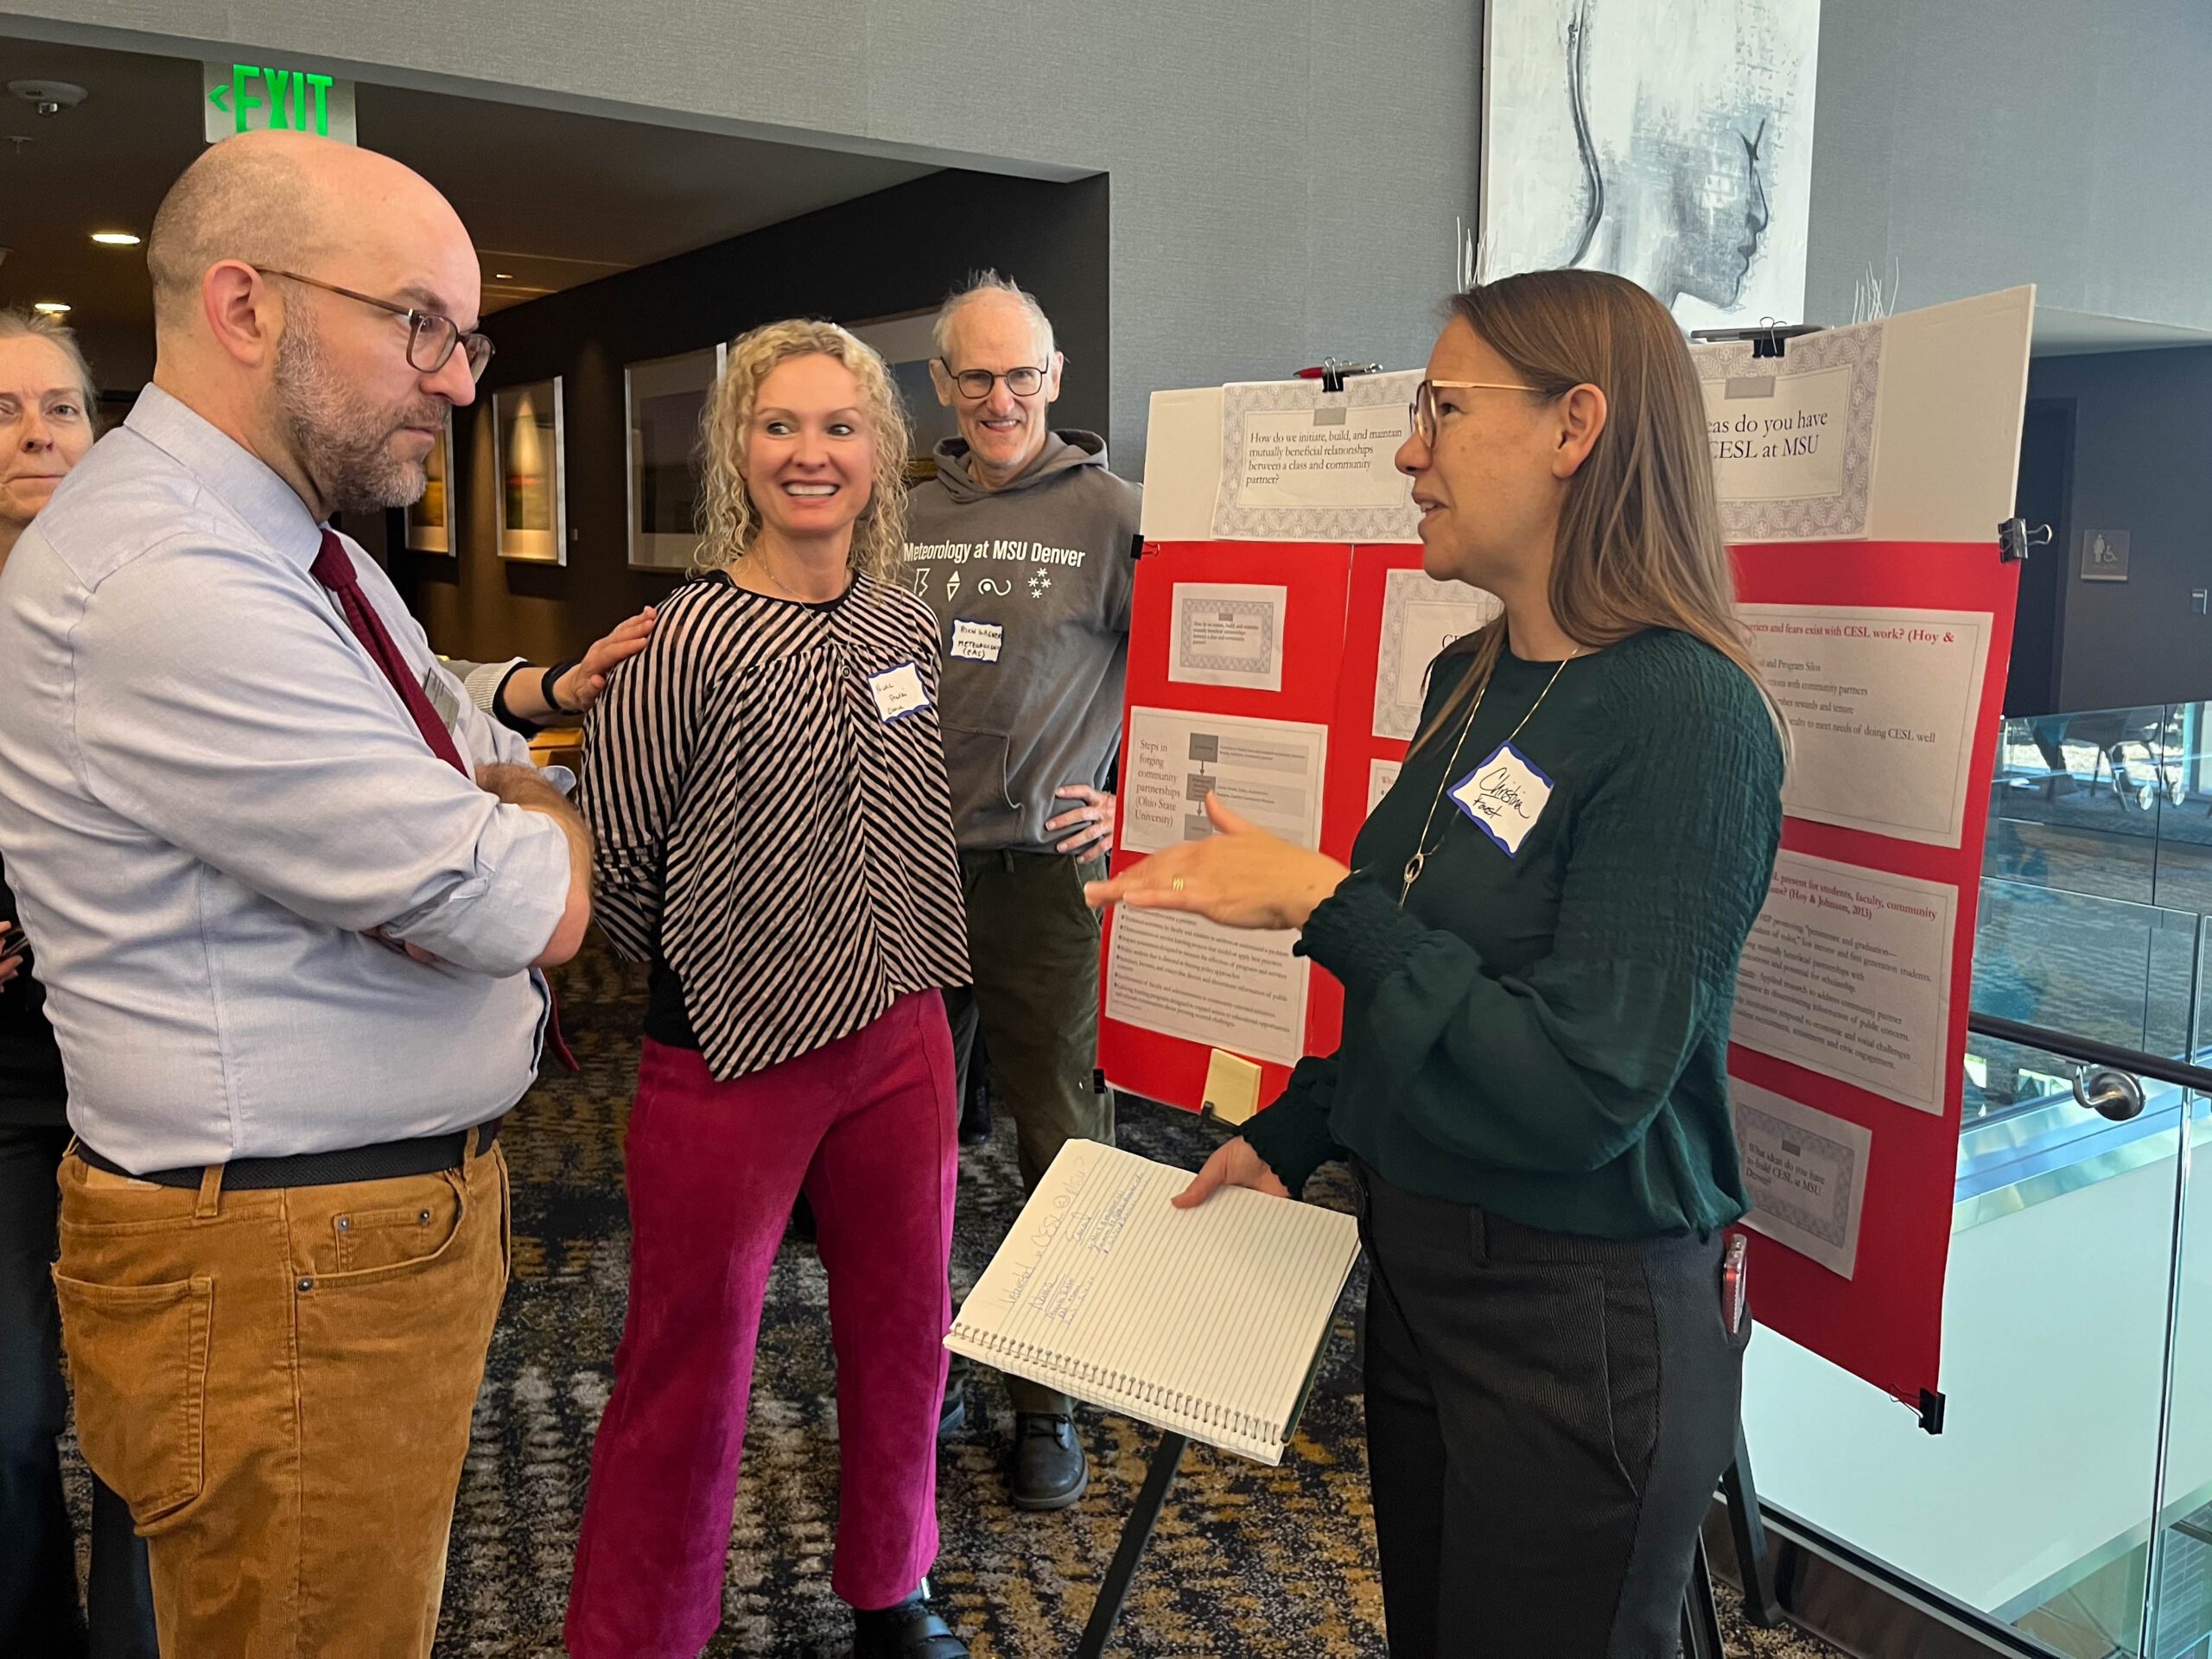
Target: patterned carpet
(1247, 1560)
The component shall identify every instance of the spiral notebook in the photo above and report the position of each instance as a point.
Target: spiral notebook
(1209, 1322)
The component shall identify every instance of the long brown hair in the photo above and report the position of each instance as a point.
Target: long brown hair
(1639, 540)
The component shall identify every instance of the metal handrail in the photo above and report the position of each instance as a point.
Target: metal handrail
(2090, 1052)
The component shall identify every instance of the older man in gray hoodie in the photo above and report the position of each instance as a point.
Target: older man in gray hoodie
(1021, 544)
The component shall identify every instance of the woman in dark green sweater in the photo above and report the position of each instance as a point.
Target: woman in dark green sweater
(1538, 941)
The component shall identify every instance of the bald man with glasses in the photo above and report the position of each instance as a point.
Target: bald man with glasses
(290, 910)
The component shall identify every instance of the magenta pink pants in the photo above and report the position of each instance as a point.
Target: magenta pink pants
(868, 1126)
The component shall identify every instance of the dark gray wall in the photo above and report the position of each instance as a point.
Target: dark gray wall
(1050, 236)
(2142, 463)
(1985, 143)
(1286, 173)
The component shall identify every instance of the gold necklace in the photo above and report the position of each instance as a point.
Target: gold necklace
(1418, 862)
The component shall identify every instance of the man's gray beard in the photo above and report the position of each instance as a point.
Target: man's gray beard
(342, 446)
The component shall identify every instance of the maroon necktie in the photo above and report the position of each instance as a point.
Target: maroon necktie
(334, 568)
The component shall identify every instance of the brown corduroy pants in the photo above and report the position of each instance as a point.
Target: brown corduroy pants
(279, 1383)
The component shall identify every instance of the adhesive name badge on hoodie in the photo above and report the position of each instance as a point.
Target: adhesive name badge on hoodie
(977, 642)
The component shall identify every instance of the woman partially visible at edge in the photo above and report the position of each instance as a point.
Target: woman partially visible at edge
(1538, 943)
(765, 785)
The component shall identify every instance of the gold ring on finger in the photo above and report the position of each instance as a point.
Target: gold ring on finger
(1177, 884)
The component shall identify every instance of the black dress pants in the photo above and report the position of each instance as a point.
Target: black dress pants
(38, 1556)
(1547, 1419)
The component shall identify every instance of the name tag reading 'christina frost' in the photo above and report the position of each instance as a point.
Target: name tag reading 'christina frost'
(899, 691)
(1505, 795)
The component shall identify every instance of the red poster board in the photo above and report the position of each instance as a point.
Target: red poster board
(1904, 436)
(1884, 1323)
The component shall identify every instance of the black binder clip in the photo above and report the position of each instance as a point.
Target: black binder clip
(1769, 340)
(1333, 372)
(2015, 537)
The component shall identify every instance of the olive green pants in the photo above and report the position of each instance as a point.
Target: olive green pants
(1033, 945)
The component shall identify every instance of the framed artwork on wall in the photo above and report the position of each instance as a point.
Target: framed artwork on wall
(906, 344)
(1668, 141)
(666, 398)
(429, 520)
(527, 445)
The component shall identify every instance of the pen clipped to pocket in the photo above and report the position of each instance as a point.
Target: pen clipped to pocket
(1735, 1292)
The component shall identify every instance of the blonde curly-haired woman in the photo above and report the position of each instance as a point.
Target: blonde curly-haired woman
(766, 785)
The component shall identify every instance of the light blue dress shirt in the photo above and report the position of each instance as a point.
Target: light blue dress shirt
(210, 795)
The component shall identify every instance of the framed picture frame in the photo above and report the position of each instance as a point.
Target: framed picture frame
(907, 343)
(429, 520)
(527, 445)
(664, 400)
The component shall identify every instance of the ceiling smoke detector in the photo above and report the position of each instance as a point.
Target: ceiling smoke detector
(48, 97)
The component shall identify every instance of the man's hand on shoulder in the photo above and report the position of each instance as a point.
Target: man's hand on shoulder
(526, 787)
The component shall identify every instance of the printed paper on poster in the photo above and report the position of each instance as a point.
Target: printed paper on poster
(1805, 1173)
(1268, 771)
(1881, 705)
(1226, 987)
(1421, 616)
(1178, 974)
(1380, 774)
(1227, 633)
(1299, 463)
(1848, 972)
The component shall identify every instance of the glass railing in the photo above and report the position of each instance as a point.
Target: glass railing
(2115, 802)
(2069, 1498)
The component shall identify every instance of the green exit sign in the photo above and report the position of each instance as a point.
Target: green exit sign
(259, 97)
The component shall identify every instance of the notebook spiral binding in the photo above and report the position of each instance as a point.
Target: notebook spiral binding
(1206, 1413)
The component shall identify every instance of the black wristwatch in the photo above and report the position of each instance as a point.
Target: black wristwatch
(551, 678)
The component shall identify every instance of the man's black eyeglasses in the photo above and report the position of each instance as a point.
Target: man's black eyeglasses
(430, 338)
(976, 384)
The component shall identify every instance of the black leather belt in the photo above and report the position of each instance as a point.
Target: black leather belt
(386, 1162)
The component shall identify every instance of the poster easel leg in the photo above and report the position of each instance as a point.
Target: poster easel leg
(1700, 1617)
(1136, 1533)
(1761, 1605)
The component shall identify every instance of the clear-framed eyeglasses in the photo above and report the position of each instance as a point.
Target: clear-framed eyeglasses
(431, 338)
(976, 384)
(1421, 414)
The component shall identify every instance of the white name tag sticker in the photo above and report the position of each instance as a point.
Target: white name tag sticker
(1505, 795)
(899, 691)
(978, 642)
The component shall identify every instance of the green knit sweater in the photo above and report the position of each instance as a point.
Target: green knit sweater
(1545, 1034)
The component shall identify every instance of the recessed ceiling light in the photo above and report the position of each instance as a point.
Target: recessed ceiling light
(50, 308)
(116, 238)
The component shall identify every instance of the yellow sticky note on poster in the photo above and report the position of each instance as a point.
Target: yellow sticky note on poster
(1232, 1087)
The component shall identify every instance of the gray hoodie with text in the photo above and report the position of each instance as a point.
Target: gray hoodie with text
(1031, 586)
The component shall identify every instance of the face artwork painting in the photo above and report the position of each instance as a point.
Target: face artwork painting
(1667, 141)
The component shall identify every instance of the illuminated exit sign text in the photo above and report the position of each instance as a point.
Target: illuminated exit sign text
(258, 98)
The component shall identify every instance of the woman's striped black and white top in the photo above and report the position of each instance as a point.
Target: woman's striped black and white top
(764, 830)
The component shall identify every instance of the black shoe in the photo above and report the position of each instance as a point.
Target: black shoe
(909, 1630)
(1050, 1471)
(976, 1114)
(803, 1218)
(954, 1412)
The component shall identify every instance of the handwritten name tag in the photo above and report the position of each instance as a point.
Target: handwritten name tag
(978, 642)
(1505, 795)
(899, 691)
